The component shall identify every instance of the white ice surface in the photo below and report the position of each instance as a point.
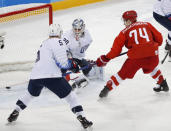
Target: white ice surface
(133, 106)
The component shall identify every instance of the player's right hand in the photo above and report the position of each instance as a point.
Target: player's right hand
(102, 61)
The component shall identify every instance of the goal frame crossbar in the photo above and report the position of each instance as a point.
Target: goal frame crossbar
(49, 6)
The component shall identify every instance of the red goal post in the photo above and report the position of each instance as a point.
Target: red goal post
(19, 14)
(26, 27)
(13, 50)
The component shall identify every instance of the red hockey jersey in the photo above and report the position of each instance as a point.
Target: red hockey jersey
(140, 38)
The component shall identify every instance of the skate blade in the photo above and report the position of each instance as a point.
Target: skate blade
(10, 123)
(90, 128)
(163, 94)
(102, 99)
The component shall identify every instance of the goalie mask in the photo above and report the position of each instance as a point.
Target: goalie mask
(55, 30)
(78, 26)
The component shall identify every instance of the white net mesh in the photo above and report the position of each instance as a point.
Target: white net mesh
(22, 40)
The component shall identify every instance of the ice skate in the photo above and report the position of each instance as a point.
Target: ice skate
(169, 59)
(104, 92)
(162, 87)
(167, 46)
(169, 56)
(13, 116)
(84, 122)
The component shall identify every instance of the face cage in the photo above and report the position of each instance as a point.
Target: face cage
(78, 31)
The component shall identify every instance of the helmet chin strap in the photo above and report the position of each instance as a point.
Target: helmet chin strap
(127, 22)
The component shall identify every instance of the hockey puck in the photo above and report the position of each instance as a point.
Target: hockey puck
(8, 87)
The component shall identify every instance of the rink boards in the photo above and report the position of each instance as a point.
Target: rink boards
(64, 4)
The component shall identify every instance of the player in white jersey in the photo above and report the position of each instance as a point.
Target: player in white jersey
(162, 14)
(78, 40)
(51, 57)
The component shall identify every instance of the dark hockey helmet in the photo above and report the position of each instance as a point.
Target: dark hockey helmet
(130, 15)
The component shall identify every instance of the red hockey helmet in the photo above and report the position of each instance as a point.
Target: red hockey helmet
(130, 15)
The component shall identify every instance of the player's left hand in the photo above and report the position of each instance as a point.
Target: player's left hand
(102, 61)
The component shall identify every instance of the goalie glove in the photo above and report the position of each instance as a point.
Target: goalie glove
(74, 66)
(102, 61)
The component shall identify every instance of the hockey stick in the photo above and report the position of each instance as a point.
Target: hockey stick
(122, 53)
(165, 57)
(16, 84)
(82, 68)
(85, 67)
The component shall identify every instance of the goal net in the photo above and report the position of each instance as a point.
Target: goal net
(25, 30)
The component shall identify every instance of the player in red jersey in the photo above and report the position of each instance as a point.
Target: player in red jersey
(142, 41)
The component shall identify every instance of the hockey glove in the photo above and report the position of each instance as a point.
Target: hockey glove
(169, 17)
(102, 61)
(74, 66)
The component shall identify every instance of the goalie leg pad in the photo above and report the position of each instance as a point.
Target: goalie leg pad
(96, 73)
(80, 82)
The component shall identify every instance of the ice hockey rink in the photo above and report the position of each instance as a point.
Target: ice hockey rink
(133, 106)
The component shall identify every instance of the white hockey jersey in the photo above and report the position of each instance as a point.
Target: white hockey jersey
(78, 48)
(162, 7)
(50, 58)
